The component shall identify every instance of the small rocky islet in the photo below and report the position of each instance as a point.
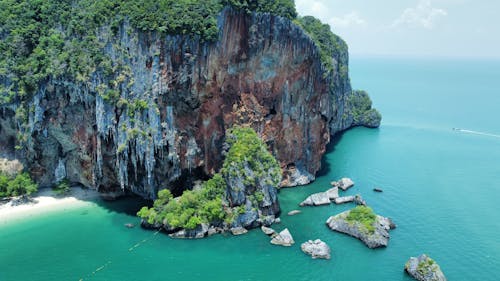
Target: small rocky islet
(362, 223)
(423, 268)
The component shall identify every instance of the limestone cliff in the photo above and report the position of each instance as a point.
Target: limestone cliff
(158, 119)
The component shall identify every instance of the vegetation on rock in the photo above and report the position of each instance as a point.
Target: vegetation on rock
(62, 187)
(248, 158)
(20, 184)
(41, 40)
(361, 110)
(209, 204)
(363, 215)
(329, 44)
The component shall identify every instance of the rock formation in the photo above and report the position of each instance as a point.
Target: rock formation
(284, 238)
(376, 237)
(423, 268)
(343, 183)
(316, 199)
(317, 249)
(164, 124)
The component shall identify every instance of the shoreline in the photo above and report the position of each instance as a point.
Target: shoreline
(46, 201)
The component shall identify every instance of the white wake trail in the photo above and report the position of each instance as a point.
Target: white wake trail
(477, 133)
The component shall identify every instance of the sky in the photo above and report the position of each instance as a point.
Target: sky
(412, 28)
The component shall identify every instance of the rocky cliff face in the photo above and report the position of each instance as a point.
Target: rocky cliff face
(157, 118)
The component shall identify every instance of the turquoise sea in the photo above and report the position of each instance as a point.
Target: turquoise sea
(441, 187)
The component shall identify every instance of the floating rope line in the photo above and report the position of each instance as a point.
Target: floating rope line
(109, 262)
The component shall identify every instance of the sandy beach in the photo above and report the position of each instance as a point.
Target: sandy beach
(46, 201)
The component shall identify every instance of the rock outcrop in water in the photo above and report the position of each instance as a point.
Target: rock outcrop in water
(423, 268)
(164, 126)
(377, 235)
(317, 249)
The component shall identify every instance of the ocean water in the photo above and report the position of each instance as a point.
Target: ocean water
(441, 187)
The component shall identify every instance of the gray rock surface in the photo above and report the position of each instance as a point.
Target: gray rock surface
(284, 238)
(200, 232)
(423, 268)
(378, 238)
(317, 249)
(316, 199)
(344, 199)
(333, 193)
(359, 200)
(238, 230)
(343, 183)
(268, 231)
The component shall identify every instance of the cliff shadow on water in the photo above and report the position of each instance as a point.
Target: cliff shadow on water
(326, 166)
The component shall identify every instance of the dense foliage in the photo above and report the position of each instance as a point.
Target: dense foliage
(20, 184)
(41, 39)
(248, 158)
(208, 204)
(284, 8)
(62, 187)
(363, 215)
(329, 44)
(360, 105)
(194, 207)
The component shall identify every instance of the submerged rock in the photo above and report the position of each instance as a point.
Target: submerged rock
(317, 249)
(284, 238)
(423, 268)
(343, 183)
(294, 212)
(316, 199)
(378, 237)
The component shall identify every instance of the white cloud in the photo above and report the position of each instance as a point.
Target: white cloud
(424, 15)
(347, 20)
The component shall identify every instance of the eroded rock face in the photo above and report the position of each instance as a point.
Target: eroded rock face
(378, 238)
(423, 268)
(177, 97)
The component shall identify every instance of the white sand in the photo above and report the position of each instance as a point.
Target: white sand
(46, 201)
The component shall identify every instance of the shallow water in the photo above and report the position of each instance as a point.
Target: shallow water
(441, 187)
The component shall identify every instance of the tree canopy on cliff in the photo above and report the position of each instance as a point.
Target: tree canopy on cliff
(329, 44)
(41, 39)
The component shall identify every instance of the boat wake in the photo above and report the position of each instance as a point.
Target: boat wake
(476, 133)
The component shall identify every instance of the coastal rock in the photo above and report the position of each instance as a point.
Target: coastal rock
(343, 183)
(423, 268)
(294, 212)
(359, 200)
(378, 238)
(333, 193)
(284, 238)
(317, 249)
(199, 232)
(344, 199)
(238, 230)
(316, 199)
(264, 72)
(268, 231)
